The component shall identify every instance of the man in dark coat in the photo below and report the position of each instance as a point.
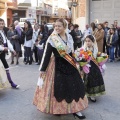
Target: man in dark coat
(45, 26)
(5, 29)
(4, 46)
(106, 28)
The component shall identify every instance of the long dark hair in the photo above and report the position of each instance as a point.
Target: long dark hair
(13, 26)
(112, 29)
(42, 28)
(29, 25)
(101, 24)
(93, 26)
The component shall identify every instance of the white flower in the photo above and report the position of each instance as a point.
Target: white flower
(78, 49)
(77, 53)
(88, 65)
(80, 58)
(83, 56)
(103, 54)
(77, 59)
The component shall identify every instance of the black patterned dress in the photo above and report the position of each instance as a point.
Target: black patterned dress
(94, 83)
(63, 91)
(68, 84)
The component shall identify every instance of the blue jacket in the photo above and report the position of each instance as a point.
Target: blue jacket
(114, 40)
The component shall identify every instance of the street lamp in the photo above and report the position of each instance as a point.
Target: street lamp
(74, 3)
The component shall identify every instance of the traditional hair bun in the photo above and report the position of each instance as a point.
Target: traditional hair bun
(63, 21)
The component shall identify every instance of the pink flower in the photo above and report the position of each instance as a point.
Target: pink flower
(80, 55)
(86, 69)
(81, 49)
(89, 58)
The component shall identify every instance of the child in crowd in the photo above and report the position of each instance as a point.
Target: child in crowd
(39, 46)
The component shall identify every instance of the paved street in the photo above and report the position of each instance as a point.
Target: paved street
(17, 104)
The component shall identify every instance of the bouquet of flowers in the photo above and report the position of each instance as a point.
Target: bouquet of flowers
(101, 60)
(101, 57)
(83, 58)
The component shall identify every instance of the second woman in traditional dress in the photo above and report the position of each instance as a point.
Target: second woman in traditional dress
(63, 89)
(94, 84)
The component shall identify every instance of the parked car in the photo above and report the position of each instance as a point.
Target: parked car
(31, 20)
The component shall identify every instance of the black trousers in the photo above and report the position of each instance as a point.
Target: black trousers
(3, 60)
(28, 54)
(75, 46)
(20, 53)
(105, 47)
(40, 54)
(116, 50)
(35, 53)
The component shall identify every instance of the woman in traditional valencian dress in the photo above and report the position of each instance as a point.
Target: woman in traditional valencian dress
(94, 84)
(3, 78)
(63, 89)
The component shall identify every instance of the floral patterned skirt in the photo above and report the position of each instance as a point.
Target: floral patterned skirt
(46, 102)
(3, 78)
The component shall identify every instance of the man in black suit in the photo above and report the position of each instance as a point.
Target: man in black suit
(106, 28)
(4, 46)
(46, 27)
(5, 29)
(117, 54)
(51, 30)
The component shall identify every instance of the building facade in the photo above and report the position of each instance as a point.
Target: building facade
(79, 12)
(3, 10)
(11, 6)
(6, 8)
(47, 13)
(87, 11)
(104, 10)
(37, 9)
(59, 9)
